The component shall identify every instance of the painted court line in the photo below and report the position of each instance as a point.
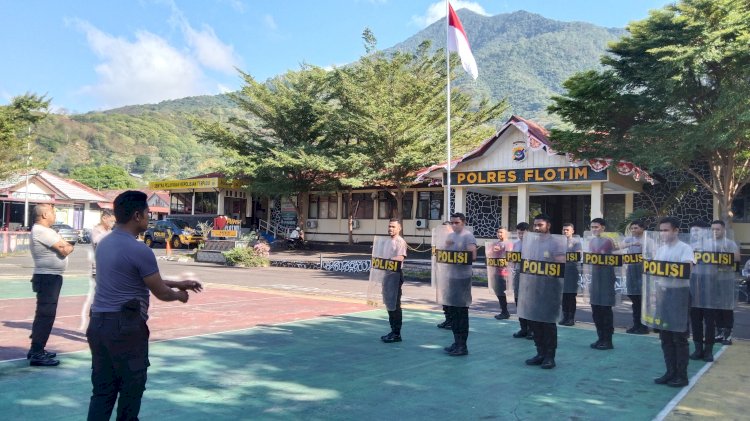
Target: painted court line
(685, 390)
(215, 333)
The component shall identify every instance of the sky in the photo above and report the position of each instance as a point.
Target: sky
(98, 55)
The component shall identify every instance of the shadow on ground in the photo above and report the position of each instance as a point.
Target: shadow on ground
(336, 368)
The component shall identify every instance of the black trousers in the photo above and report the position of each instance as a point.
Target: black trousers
(725, 319)
(636, 302)
(545, 336)
(700, 317)
(119, 363)
(459, 317)
(47, 288)
(568, 302)
(395, 317)
(604, 321)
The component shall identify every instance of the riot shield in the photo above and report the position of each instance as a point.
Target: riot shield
(712, 282)
(632, 264)
(452, 266)
(514, 262)
(542, 271)
(666, 281)
(385, 274)
(602, 266)
(497, 266)
(573, 255)
(445, 230)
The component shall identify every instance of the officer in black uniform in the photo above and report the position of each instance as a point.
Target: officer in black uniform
(524, 332)
(117, 334)
(570, 286)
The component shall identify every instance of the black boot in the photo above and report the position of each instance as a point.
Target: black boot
(453, 346)
(698, 354)
(549, 359)
(719, 335)
(726, 336)
(460, 348)
(599, 340)
(680, 378)
(570, 318)
(524, 329)
(669, 361)
(538, 359)
(504, 314)
(708, 353)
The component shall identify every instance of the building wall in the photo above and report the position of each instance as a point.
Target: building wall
(694, 203)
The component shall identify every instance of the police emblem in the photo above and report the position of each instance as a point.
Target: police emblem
(519, 153)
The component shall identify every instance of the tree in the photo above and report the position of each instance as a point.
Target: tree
(284, 148)
(103, 178)
(675, 93)
(16, 122)
(396, 106)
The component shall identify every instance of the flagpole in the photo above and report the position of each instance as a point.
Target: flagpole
(448, 107)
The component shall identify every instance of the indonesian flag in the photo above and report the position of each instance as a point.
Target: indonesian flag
(459, 42)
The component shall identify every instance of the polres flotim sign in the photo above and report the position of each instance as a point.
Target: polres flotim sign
(527, 176)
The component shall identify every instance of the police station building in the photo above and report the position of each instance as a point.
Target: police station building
(509, 178)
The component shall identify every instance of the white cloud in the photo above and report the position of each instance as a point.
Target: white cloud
(270, 23)
(209, 50)
(436, 11)
(145, 70)
(235, 4)
(224, 89)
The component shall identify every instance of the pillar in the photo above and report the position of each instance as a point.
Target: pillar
(505, 211)
(629, 204)
(460, 199)
(597, 199)
(192, 207)
(523, 203)
(220, 204)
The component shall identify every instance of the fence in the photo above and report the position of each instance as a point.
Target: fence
(14, 242)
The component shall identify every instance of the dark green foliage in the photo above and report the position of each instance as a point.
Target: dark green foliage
(105, 177)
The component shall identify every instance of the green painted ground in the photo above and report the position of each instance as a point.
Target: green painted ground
(337, 369)
(21, 288)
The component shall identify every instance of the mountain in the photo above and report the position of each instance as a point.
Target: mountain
(522, 56)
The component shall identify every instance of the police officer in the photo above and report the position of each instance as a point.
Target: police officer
(602, 286)
(524, 332)
(671, 301)
(50, 253)
(454, 289)
(498, 276)
(394, 249)
(117, 334)
(543, 305)
(570, 286)
(633, 245)
(724, 316)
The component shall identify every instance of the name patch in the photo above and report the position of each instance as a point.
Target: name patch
(667, 269)
(513, 256)
(453, 257)
(632, 258)
(602, 259)
(536, 267)
(386, 264)
(714, 258)
(500, 262)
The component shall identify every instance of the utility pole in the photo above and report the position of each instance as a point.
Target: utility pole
(28, 167)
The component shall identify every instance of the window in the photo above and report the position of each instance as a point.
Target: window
(323, 207)
(206, 202)
(741, 205)
(408, 205)
(362, 203)
(430, 205)
(180, 203)
(387, 205)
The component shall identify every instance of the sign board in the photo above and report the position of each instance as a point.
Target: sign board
(527, 176)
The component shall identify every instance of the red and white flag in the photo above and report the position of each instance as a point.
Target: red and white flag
(459, 42)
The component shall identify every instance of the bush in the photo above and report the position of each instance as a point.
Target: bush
(246, 257)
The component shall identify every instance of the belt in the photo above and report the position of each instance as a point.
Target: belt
(106, 314)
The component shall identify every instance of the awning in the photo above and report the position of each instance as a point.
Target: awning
(158, 209)
(105, 205)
